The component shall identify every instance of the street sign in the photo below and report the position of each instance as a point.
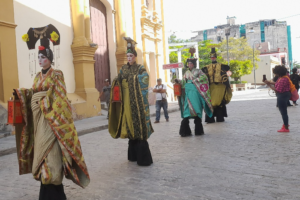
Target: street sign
(229, 73)
(173, 66)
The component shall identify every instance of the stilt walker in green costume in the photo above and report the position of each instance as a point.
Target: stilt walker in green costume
(130, 118)
(219, 87)
(195, 97)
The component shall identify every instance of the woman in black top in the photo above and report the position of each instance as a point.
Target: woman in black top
(295, 78)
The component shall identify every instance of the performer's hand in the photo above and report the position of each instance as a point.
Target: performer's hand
(15, 94)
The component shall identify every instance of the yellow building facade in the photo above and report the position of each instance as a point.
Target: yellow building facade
(91, 48)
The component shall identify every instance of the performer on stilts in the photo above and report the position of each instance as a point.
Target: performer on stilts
(219, 88)
(130, 117)
(195, 97)
(47, 144)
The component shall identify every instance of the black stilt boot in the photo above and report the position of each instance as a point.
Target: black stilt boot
(198, 126)
(219, 114)
(209, 120)
(52, 192)
(144, 157)
(132, 152)
(185, 129)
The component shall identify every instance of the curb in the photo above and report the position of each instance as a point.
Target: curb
(79, 132)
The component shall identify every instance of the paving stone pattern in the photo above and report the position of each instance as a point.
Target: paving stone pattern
(243, 158)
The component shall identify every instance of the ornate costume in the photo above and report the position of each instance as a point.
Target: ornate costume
(195, 97)
(219, 87)
(131, 118)
(47, 144)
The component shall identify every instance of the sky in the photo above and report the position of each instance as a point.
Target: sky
(184, 16)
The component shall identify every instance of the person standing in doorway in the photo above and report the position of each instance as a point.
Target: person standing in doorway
(106, 92)
(161, 100)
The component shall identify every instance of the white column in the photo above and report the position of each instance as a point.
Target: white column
(197, 55)
(179, 61)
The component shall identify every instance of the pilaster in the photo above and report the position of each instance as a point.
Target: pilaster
(9, 77)
(83, 59)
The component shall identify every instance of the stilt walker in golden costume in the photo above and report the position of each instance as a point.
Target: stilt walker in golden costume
(47, 144)
(129, 115)
(219, 88)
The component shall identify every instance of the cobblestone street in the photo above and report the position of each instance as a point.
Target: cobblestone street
(243, 158)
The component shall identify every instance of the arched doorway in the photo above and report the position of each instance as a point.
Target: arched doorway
(100, 37)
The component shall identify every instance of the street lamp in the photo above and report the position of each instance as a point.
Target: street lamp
(227, 33)
(259, 47)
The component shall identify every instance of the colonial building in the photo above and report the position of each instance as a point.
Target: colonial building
(91, 46)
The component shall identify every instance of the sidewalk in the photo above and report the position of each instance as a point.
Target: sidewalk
(84, 126)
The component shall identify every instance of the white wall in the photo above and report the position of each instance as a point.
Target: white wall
(265, 66)
(39, 13)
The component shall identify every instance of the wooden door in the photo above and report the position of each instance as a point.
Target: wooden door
(99, 36)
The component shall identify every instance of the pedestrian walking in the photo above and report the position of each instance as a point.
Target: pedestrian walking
(161, 100)
(106, 92)
(129, 114)
(195, 97)
(295, 78)
(48, 144)
(283, 88)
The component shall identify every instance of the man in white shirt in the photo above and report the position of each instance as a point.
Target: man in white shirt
(161, 100)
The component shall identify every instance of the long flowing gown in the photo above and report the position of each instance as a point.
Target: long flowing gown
(196, 95)
(47, 144)
(131, 118)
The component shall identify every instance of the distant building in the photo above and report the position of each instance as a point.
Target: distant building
(275, 34)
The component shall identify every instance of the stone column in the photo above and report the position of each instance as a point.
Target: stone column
(87, 21)
(9, 77)
(83, 59)
(78, 18)
(120, 33)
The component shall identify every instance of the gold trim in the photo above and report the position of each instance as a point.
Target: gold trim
(8, 24)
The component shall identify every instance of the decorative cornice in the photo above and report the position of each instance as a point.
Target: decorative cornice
(8, 24)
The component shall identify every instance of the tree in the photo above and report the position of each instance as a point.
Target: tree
(240, 56)
(296, 64)
(240, 68)
(204, 53)
(173, 55)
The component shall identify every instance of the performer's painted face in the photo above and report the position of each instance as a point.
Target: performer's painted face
(44, 61)
(131, 58)
(190, 65)
(213, 59)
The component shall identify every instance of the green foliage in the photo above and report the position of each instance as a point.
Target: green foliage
(296, 64)
(240, 68)
(204, 53)
(173, 55)
(237, 82)
(240, 56)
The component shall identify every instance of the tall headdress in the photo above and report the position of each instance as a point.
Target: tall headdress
(130, 45)
(213, 53)
(45, 35)
(192, 59)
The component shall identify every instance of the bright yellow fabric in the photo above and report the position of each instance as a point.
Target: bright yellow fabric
(126, 118)
(217, 92)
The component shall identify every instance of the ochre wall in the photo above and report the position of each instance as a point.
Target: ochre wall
(8, 52)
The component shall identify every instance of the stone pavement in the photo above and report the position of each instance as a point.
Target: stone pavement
(243, 158)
